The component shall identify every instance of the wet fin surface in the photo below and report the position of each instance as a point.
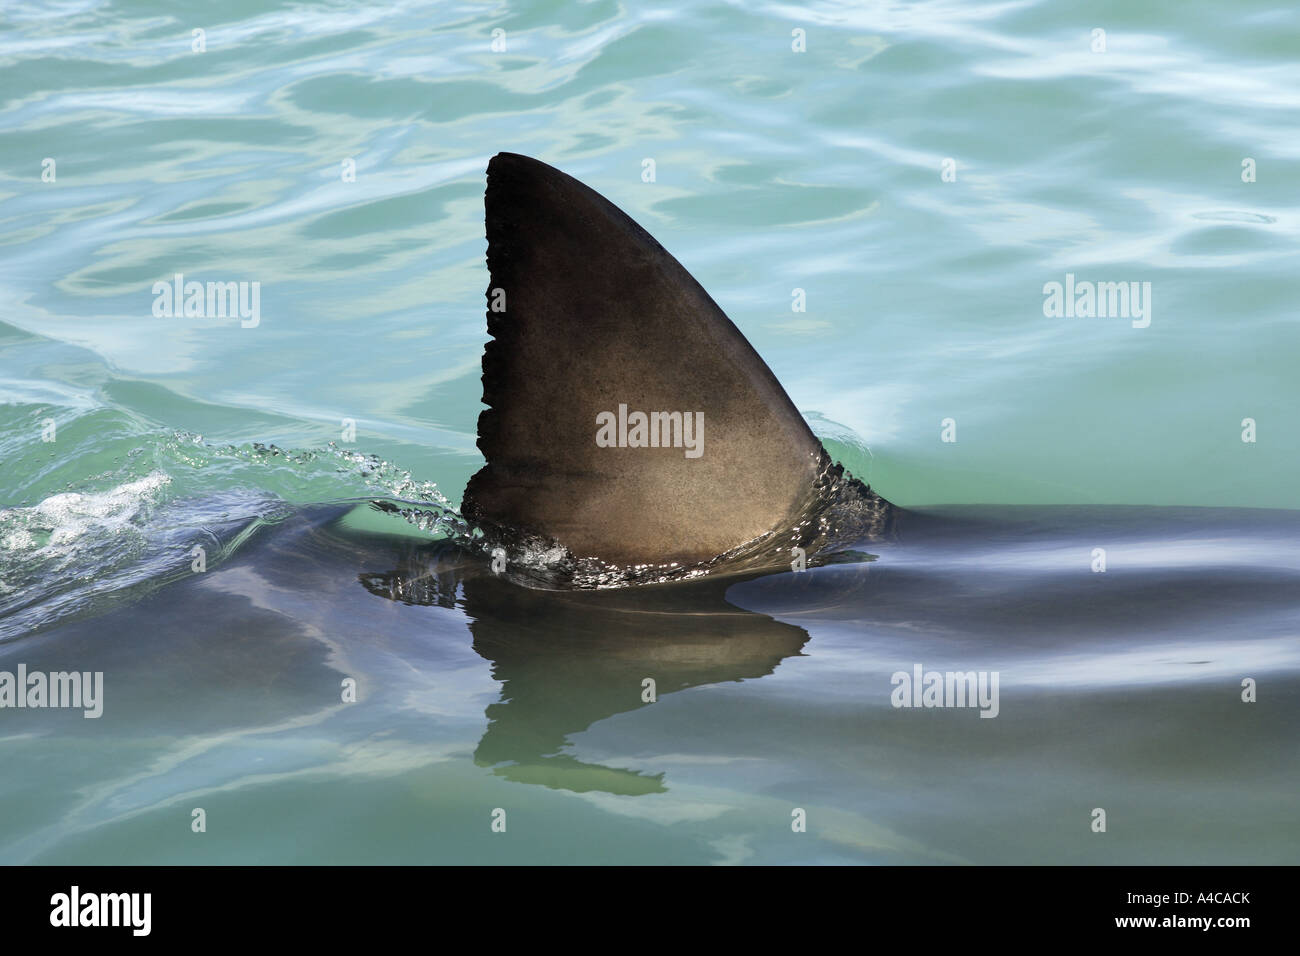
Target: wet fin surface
(597, 315)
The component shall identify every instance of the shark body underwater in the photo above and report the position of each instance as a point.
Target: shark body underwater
(629, 422)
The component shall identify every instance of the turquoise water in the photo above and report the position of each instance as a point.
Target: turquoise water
(775, 170)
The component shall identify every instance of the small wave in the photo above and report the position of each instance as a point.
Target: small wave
(1234, 215)
(83, 547)
(75, 551)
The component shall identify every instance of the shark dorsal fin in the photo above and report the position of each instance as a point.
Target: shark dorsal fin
(593, 322)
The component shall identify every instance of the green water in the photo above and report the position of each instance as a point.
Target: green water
(775, 170)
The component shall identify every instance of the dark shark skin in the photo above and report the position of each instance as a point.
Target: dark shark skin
(597, 315)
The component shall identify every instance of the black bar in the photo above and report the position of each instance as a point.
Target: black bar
(930, 906)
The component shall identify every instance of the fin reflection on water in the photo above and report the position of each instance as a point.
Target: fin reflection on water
(569, 659)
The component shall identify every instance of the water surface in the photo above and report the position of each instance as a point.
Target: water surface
(820, 171)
